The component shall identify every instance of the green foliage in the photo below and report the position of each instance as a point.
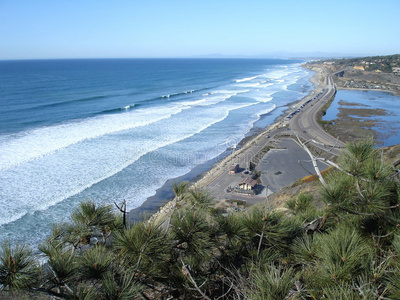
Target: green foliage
(91, 220)
(356, 155)
(338, 194)
(346, 291)
(95, 262)
(269, 229)
(121, 287)
(231, 227)
(364, 191)
(272, 282)
(18, 267)
(180, 189)
(82, 292)
(143, 247)
(232, 239)
(91, 215)
(200, 197)
(341, 255)
(304, 250)
(62, 264)
(300, 204)
(192, 233)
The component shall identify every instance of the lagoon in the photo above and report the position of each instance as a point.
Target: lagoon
(387, 126)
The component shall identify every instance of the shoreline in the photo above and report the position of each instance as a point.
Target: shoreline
(164, 195)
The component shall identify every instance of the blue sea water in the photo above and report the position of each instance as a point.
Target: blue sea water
(387, 126)
(112, 130)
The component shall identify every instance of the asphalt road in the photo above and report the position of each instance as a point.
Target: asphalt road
(305, 124)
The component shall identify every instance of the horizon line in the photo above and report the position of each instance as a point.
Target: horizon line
(290, 56)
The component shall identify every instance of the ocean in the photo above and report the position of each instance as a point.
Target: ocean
(117, 129)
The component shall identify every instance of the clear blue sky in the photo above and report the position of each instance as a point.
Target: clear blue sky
(150, 28)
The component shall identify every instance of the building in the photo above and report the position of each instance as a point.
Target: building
(234, 168)
(247, 184)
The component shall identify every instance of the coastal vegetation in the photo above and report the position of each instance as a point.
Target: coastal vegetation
(347, 248)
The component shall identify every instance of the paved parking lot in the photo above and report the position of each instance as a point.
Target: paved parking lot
(280, 167)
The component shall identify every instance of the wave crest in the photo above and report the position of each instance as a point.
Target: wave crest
(247, 79)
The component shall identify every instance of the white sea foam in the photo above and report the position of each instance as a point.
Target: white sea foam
(129, 106)
(246, 79)
(266, 85)
(266, 110)
(278, 73)
(38, 184)
(15, 150)
(256, 116)
(34, 144)
(213, 98)
(247, 85)
(178, 93)
(277, 80)
(264, 98)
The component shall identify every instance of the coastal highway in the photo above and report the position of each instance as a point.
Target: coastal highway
(305, 124)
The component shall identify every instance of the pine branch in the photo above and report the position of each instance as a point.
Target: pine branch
(355, 213)
(262, 234)
(222, 296)
(122, 209)
(186, 272)
(313, 159)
